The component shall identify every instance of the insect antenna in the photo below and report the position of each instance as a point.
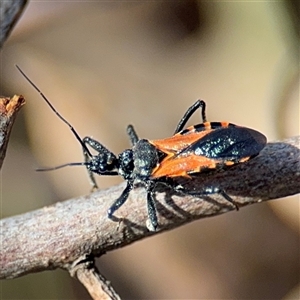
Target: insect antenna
(62, 166)
(57, 113)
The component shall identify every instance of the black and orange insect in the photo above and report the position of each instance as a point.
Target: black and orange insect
(203, 147)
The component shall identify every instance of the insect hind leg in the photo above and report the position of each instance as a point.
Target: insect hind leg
(207, 191)
(199, 103)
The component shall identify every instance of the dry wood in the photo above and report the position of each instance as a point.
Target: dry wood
(8, 111)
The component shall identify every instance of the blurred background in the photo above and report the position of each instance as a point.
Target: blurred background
(104, 65)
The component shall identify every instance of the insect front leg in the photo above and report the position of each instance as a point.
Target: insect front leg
(104, 152)
(132, 135)
(90, 173)
(189, 113)
(121, 200)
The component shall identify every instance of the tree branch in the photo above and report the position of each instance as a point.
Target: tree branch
(60, 235)
(87, 273)
(8, 111)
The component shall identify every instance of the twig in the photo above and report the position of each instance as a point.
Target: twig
(88, 274)
(10, 12)
(8, 110)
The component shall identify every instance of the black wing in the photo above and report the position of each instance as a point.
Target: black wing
(229, 143)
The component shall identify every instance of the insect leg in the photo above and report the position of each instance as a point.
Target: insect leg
(189, 113)
(132, 135)
(110, 157)
(208, 191)
(152, 212)
(216, 190)
(121, 200)
(96, 145)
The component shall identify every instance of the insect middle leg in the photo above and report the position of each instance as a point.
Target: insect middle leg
(151, 207)
(189, 113)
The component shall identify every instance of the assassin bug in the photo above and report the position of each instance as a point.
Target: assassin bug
(190, 151)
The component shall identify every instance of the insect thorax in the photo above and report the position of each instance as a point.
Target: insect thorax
(145, 159)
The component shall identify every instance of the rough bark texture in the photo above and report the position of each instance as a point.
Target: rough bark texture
(88, 274)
